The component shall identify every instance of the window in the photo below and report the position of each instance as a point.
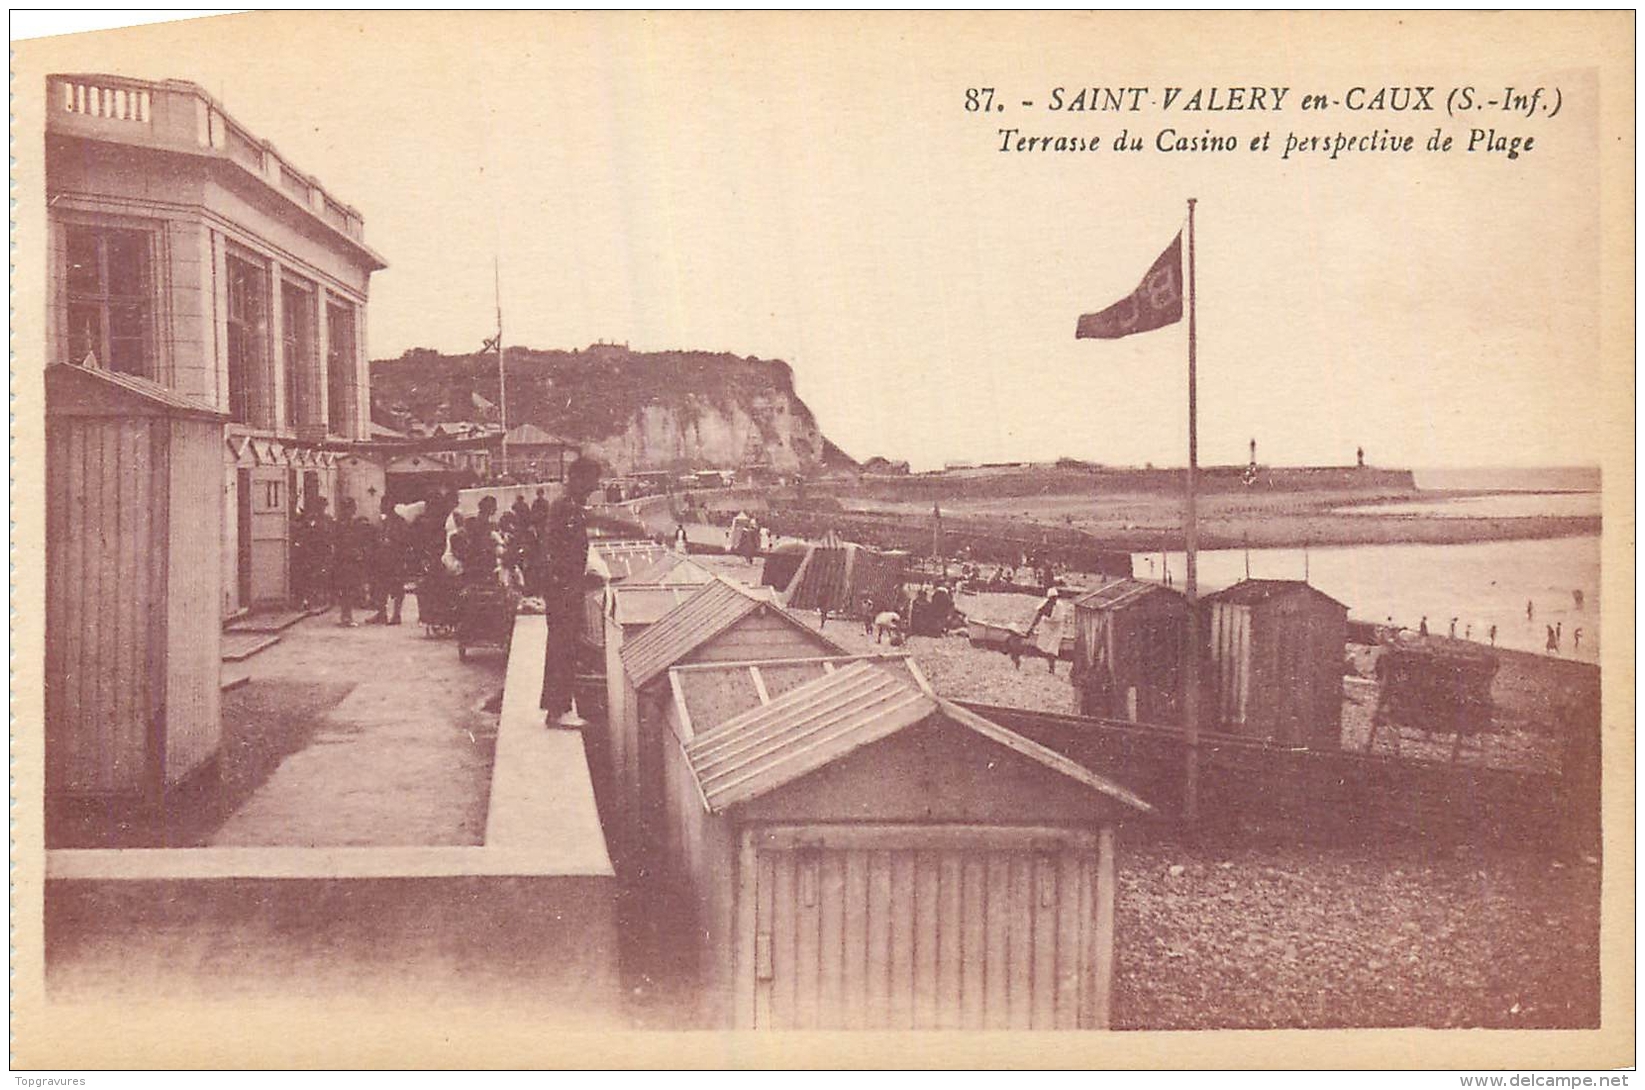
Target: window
(297, 307)
(247, 355)
(111, 298)
(340, 363)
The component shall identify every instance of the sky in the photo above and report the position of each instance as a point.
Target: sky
(814, 190)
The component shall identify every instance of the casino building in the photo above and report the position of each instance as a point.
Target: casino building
(189, 253)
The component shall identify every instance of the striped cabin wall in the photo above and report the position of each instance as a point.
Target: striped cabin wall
(132, 642)
(194, 576)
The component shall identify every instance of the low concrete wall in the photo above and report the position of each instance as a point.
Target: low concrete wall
(529, 919)
(468, 499)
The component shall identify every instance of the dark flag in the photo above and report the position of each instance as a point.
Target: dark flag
(1156, 302)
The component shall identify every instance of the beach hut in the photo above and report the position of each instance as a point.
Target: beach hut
(782, 562)
(722, 621)
(1276, 648)
(134, 501)
(839, 577)
(858, 852)
(615, 614)
(1129, 641)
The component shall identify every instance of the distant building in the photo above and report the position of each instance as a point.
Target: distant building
(533, 453)
(186, 251)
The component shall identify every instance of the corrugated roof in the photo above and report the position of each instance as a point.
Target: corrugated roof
(1120, 594)
(163, 397)
(636, 603)
(1253, 591)
(818, 723)
(713, 609)
(709, 694)
(800, 732)
(672, 567)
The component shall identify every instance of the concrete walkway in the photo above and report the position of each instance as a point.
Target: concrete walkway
(403, 758)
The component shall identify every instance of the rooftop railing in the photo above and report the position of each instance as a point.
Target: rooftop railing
(180, 114)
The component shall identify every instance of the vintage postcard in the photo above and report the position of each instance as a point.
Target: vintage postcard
(824, 539)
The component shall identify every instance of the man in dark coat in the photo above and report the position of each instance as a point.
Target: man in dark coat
(391, 565)
(311, 555)
(564, 559)
(479, 550)
(354, 540)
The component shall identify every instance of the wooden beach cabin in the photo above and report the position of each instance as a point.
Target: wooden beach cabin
(134, 496)
(860, 853)
(838, 577)
(1276, 649)
(619, 612)
(723, 621)
(1129, 641)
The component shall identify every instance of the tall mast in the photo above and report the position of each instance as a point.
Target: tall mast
(502, 374)
(1190, 785)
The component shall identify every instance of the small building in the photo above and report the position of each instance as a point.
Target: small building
(1130, 638)
(133, 564)
(839, 578)
(1275, 649)
(534, 453)
(723, 621)
(859, 853)
(781, 563)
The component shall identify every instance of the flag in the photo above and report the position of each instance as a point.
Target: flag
(1157, 302)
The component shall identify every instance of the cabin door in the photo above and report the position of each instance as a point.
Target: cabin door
(934, 927)
(242, 536)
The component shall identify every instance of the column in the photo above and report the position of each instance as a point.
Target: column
(362, 376)
(277, 346)
(322, 355)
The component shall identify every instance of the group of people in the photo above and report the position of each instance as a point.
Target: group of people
(351, 561)
(1554, 643)
(535, 549)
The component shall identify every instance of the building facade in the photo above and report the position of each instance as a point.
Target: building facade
(188, 252)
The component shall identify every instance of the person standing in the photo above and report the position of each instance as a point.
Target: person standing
(1422, 629)
(564, 554)
(391, 565)
(311, 554)
(480, 545)
(352, 552)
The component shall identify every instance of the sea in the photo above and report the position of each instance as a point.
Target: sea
(1522, 588)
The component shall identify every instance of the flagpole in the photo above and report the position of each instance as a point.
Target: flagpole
(1190, 784)
(502, 375)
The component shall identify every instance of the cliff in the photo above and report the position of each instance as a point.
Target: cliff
(632, 410)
